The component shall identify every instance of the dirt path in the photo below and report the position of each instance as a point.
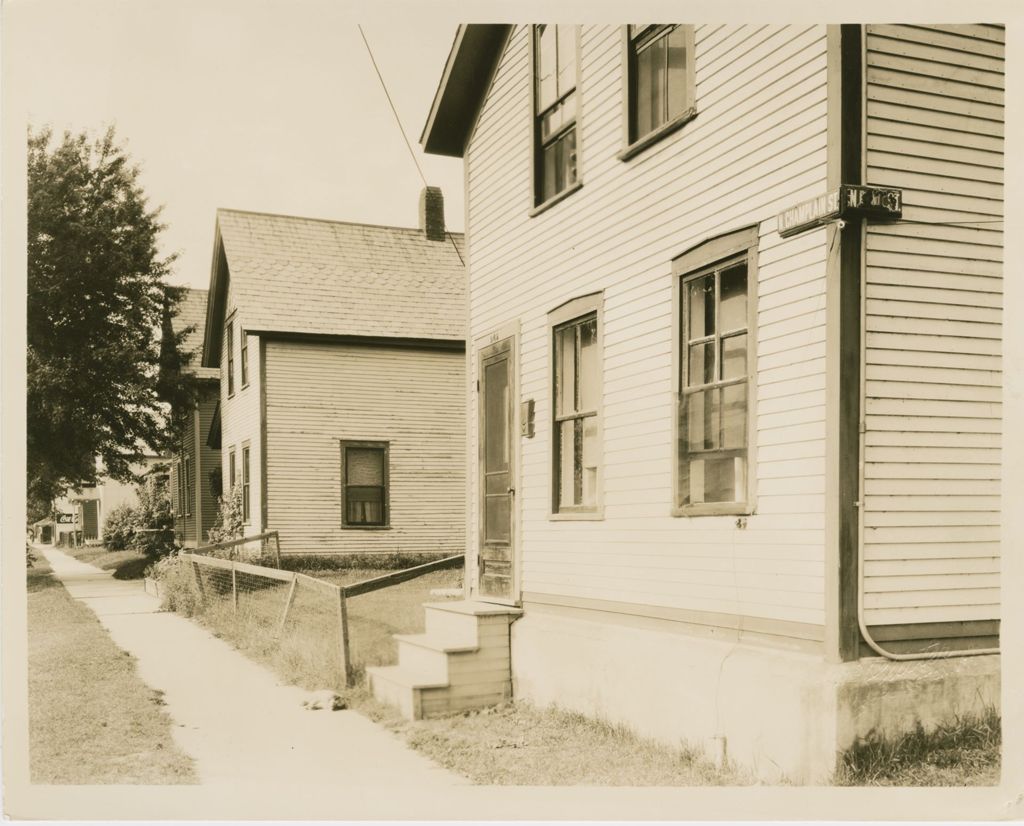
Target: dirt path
(233, 716)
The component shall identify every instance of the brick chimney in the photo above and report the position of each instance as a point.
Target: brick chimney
(432, 213)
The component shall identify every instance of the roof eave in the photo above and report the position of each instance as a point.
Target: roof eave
(464, 83)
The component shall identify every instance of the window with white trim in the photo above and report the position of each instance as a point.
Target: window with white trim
(660, 86)
(715, 348)
(364, 484)
(556, 106)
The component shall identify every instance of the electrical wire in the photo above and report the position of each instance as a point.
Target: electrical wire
(401, 129)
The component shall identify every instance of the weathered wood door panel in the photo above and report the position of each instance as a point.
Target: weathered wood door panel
(496, 556)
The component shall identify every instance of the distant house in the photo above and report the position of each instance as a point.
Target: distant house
(341, 350)
(195, 467)
(80, 516)
(734, 380)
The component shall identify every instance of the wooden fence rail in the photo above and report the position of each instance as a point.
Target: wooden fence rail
(339, 594)
(245, 540)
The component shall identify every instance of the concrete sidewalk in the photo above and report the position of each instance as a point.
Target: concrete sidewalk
(233, 716)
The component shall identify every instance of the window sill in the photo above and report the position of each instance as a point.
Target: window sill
(577, 516)
(556, 199)
(366, 527)
(719, 509)
(652, 138)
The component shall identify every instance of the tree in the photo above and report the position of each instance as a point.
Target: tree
(97, 299)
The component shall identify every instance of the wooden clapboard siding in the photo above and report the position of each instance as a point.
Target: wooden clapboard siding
(757, 146)
(209, 458)
(318, 394)
(933, 320)
(240, 415)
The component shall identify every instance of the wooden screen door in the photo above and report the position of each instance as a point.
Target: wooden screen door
(496, 557)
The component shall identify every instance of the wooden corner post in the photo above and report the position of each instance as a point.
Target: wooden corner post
(346, 664)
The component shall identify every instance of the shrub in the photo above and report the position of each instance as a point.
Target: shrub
(230, 523)
(154, 524)
(119, 528)
(179, 586)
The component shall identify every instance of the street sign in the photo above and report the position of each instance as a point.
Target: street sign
(846, 202)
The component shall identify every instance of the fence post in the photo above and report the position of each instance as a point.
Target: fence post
(277, 546)
(234, 587)
(288, 603)
(346, 665)
(199, 582)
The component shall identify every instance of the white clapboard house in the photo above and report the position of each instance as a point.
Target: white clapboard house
(733, 389)
(341, 350)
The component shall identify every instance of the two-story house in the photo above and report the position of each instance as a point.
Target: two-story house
(734, 378)
(341, 350)
(196, 483)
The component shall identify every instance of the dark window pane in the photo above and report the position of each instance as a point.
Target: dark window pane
(733, 297)
(565, 371)
(364, 466)
(701, 294)
(701, 369)
(646, 111)
(590, 366)
(719, 479)
(702, 419)
(734, 356)
(566, 474)
(364, 505)
(676, 72)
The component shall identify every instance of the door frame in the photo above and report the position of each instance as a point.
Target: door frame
(507, 330)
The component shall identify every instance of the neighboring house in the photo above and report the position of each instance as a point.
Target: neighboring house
(80, 516)
(342, 356)
(196, 465)
(735, 448)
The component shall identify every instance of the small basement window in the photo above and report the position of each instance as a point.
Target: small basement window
(364, 488)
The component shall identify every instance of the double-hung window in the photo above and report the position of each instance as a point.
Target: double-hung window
(556, 105)
(243, 363)
(229, 345)
(364, 484)
(659, 80)
(232, 473)
(245, 484)
(186, 473)
(715, 347)
(577, 391)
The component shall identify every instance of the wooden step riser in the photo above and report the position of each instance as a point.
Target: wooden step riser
(396, 695)
(438, 666)
(438, 702)
(426, 663)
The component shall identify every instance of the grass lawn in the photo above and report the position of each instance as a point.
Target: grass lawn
(91, 719)
(125, 564)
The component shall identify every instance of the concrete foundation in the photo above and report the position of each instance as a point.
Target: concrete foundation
(784, 715)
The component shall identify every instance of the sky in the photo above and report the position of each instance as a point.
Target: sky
(267, 106)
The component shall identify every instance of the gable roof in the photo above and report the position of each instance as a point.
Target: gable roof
(310, 276)
(464, 83)
(192, 313)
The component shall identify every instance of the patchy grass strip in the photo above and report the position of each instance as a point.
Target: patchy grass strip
(962, 752)
(518, 744)
(91, 719)
(125, 564)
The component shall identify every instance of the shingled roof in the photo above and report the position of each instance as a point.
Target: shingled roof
(192, 313)
(316, 277)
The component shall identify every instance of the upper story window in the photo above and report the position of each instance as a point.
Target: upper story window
(659, 82)
(577, 390)
(716, 336)
(243, 362)
(556, 108)
(229, 346)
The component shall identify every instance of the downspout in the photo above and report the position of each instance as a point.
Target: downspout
(865, 633)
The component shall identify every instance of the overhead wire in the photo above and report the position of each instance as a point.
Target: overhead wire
(401, 129)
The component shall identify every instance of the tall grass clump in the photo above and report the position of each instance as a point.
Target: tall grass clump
(962, 751)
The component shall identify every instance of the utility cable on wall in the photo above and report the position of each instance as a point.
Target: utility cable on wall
(401, 129)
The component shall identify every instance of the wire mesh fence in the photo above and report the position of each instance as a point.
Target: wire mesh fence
(317, 632)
